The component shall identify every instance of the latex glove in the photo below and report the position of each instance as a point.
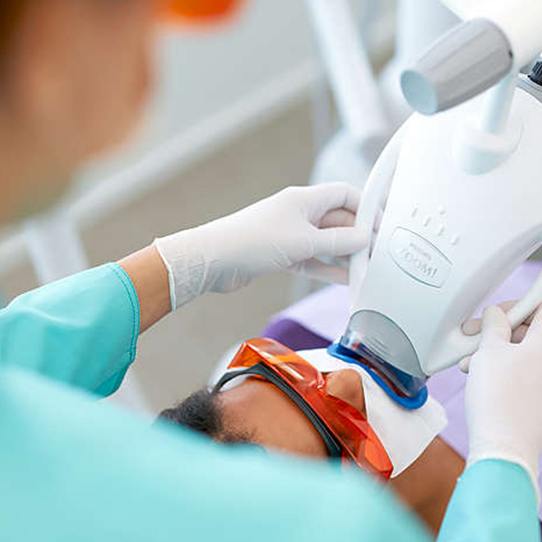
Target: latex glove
(289, 231)
(474, 326)
(503, 398)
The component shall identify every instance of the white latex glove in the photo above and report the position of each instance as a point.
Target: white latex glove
(503, 394)
(474, 326)
(289, 231)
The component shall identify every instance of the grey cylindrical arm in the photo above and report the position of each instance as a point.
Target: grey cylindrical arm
(466, 61)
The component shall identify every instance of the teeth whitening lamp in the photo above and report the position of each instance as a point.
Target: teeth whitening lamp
(456, 197)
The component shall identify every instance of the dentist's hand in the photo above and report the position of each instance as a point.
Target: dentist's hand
(290, 231)
(503, 394)
(474, 327)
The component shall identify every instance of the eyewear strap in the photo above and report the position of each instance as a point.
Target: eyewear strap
(260, 369)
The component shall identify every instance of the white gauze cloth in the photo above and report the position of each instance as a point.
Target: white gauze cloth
(404, 433)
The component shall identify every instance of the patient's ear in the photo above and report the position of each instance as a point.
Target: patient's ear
(346, 385)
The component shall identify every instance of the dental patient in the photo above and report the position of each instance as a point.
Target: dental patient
(313, 405)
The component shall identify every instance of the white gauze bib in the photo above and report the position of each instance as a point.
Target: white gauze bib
(404, 433)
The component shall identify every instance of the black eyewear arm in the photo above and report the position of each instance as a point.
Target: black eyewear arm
(260, 369)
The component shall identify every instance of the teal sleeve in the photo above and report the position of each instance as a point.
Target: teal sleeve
(494, 501)
(74, 469)
(81, 330)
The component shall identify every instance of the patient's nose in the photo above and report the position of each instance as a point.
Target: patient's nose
(346, 385)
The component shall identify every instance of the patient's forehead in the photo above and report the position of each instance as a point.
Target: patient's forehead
(254, 402)
(260, 410)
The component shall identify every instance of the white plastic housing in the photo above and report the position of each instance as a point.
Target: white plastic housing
(448, 237)
(520, 20)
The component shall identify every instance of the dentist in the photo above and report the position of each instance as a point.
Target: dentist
(73, 78)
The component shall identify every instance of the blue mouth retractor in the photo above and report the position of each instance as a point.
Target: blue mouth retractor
(410, 392)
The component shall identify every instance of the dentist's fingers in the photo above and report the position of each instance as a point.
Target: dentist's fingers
(496, 329)
(519, 333)
(318, 270)
(333, 242)
(464, 364)
(338, 218)
(474, 326)
(324, 198)
(534, 333)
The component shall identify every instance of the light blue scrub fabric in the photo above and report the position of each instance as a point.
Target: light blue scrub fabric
(72, 469)
(72, 472)
(81, 330)
(494, 501)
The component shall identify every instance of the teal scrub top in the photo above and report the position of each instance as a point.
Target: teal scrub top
(73, 469)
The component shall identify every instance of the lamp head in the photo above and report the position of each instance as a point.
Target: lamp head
(495, 39)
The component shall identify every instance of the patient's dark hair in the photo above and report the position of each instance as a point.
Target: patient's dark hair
(202, 412)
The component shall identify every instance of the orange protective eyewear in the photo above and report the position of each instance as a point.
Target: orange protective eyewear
(345, 431)
(192, 12)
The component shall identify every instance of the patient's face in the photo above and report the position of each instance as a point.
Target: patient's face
(261, 413)
(269, 418)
